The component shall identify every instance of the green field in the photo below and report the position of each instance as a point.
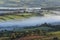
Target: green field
(15, 16)
(40, 28)
(4, 38)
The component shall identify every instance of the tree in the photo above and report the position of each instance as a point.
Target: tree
(44, 32)
(13, 36)
(55, 38)
(37, 31)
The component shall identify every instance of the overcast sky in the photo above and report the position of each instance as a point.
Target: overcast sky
(28, 3)
(9, 3)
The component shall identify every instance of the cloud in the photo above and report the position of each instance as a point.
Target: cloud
(15, 0)
(12, 5)
(2, 2)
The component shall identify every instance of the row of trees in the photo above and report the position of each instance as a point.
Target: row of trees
(13, 35)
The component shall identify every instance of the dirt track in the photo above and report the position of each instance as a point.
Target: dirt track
(31, 37)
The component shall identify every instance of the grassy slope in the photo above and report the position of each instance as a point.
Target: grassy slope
(15, 16)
